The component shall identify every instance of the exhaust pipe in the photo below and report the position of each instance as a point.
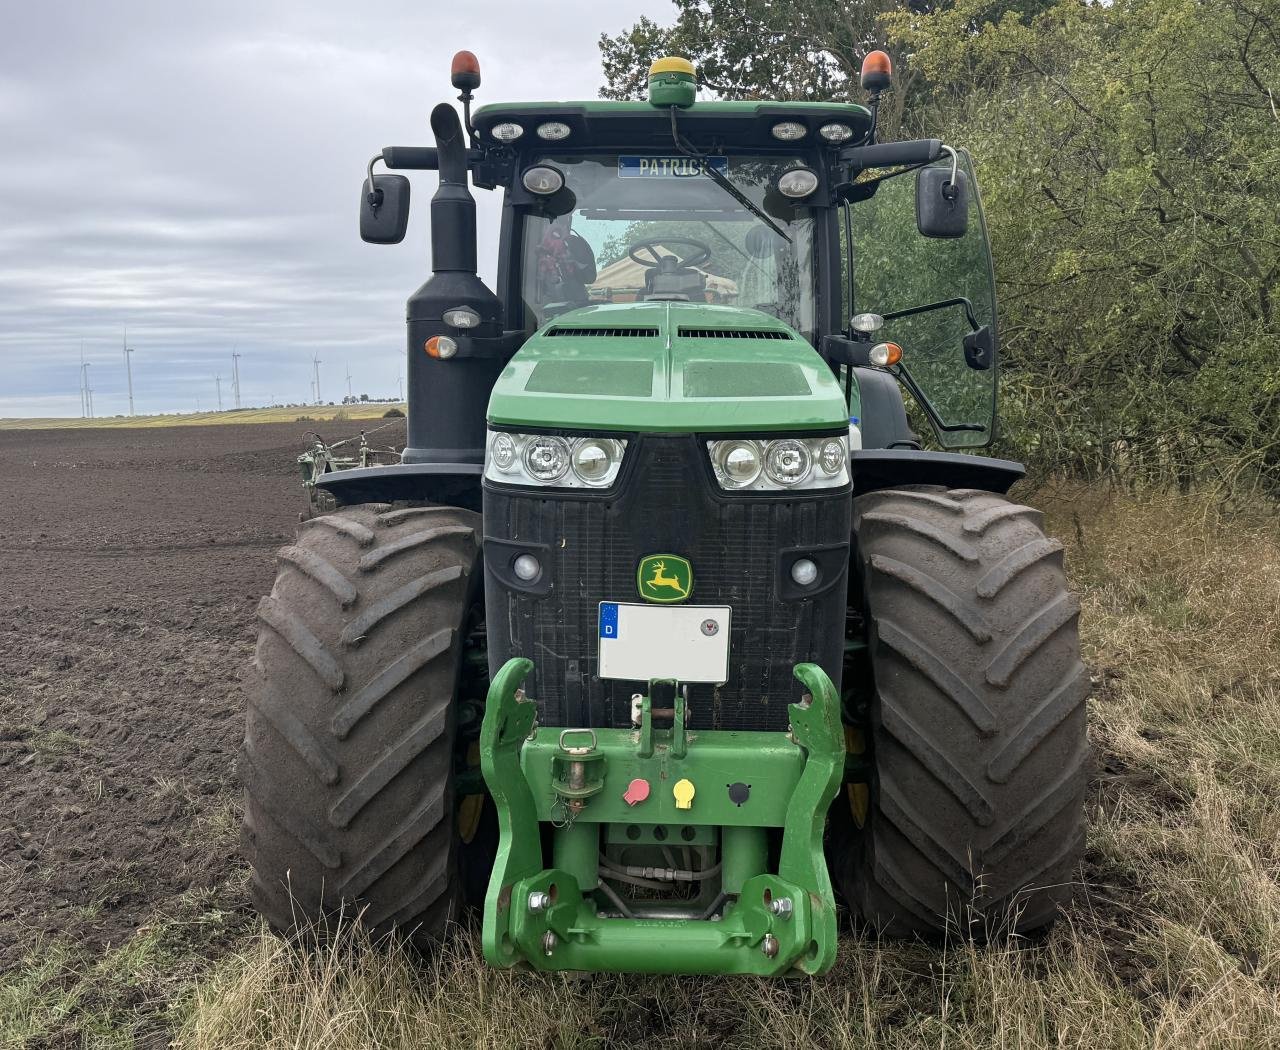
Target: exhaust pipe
(448, 397)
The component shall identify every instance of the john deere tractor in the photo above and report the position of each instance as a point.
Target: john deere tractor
(668, 633)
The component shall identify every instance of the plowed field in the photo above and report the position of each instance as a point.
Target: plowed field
(131, 561)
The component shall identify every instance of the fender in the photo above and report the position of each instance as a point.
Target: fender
(892, 468)
(452, 484)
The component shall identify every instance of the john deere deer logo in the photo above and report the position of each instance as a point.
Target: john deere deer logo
(664, 578)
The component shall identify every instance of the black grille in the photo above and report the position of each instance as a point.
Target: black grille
(591, 549)
(615, 333)
(733, 333)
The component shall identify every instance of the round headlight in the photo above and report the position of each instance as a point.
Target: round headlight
(546, 458)
(804, 571)
(832, 457)
(836, 132)
(737, 463)
(593, 459)
(503, 451)
(867, 322)
(798, 182)
(787, 461)
(542, 180)
(506, 132)
(789, 131)
(526, 567)
(461, 317)
(553, 131)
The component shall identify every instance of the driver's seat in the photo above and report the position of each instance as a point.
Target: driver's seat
(670, 280)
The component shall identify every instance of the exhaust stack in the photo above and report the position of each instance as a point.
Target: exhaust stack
(448, 396)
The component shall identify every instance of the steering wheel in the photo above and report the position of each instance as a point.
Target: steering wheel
(700, 254)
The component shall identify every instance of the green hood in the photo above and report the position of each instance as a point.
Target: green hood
(667, 366)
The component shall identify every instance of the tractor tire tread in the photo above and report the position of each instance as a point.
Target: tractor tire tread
(977, 725)
(348, 759)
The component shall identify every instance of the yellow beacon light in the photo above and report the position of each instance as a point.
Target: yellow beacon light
(672, 82)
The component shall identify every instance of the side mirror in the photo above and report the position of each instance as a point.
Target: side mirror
(384, 210)
(980, 349)
(942, 202)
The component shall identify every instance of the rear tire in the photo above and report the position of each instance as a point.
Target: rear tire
(977, 722)
(348, 757)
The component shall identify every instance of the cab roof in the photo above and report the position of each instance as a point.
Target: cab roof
(639, 125)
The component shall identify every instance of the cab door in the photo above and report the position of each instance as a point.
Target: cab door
(937, 300)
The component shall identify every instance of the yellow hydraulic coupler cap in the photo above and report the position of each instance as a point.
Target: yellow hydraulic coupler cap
(684, 792)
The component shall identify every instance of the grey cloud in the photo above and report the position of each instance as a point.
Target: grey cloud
(191, 171)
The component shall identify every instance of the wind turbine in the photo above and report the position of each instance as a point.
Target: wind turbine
(128, 368)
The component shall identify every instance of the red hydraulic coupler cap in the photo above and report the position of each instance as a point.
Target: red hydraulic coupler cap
(637, 791)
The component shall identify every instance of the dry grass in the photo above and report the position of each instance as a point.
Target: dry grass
(314, 413)
(1174, 940)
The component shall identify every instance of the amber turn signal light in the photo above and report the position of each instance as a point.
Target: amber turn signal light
(885, 354)
(441, 346)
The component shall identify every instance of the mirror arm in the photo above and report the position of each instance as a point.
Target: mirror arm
(950, 191)
(959, 300)
(374, 195)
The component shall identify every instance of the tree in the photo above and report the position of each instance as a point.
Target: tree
(760, 49)
(1130, 161)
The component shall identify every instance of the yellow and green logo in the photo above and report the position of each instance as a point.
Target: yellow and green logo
(664, 578)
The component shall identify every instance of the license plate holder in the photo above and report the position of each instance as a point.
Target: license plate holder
(689, 643)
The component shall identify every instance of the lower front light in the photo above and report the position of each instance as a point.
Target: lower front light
(526, 567)
(804, 572)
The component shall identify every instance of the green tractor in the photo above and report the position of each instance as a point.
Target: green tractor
(666, 633)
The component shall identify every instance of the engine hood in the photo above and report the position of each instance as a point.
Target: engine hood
(670, 367)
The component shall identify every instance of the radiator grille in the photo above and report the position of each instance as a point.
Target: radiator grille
(666, 505)
(733, 333)
(615, 333)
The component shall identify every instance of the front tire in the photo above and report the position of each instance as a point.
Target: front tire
(348, 756)
(977, 721)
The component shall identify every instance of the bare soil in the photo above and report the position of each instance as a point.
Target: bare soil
(131, 562)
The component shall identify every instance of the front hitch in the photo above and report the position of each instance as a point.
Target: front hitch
(606, 790)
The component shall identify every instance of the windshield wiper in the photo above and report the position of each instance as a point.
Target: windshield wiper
(710, 171)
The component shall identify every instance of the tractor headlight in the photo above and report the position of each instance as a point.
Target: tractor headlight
(736, 463)
(542, 180)
(789, 131)
(553, 131)
(780, 464)
(836, 133)
(798, 182)
(545, 459)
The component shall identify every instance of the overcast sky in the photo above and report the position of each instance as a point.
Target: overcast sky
(191, 171)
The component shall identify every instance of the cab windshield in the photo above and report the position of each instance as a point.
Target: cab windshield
(632, 228)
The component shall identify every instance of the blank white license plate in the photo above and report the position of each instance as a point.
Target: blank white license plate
(689, 643)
